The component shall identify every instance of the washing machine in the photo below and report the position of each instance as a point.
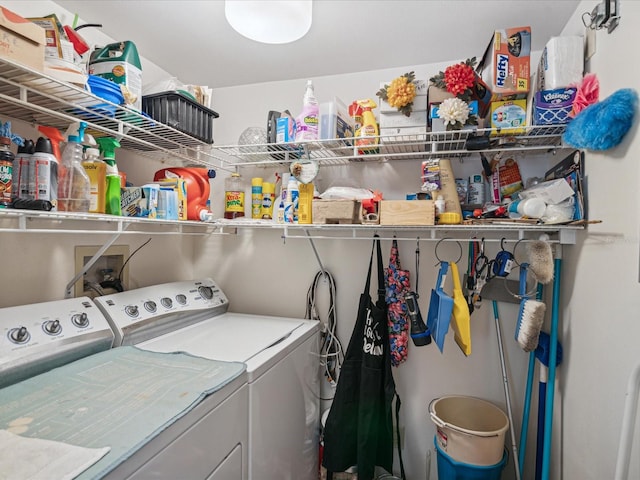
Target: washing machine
(147, 414)
(281, 355)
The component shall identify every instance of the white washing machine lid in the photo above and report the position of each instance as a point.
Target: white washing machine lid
(257, 340)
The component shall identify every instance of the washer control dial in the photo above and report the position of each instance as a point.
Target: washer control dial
(80, 320)
(131, 310)
(181, 299)
(52, 327)
(19, 335)
(166, 302)
(150, 306)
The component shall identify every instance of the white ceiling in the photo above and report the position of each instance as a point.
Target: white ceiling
(192, 40)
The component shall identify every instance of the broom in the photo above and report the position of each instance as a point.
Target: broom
(530, 315)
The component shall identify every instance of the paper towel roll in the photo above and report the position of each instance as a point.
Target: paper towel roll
(562, 63)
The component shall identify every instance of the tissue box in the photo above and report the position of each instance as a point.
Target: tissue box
(561, 63)
(437, 124)
(22, 40)
(552, 107)
(505, 65)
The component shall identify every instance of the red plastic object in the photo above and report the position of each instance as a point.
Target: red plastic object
(79, 45)
(198, 189)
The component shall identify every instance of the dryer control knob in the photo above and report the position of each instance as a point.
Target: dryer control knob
(205, 292)
(80, 320)
(131, 310)
(150, 306)
(166, 302)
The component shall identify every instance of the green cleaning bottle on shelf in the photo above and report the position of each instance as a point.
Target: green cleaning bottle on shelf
(108, 147)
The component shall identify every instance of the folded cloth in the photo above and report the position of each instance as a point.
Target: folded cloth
(23, 458)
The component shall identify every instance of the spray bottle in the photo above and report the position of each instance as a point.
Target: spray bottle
(97, 172)
(368, 136)
(108, 147)
(73, 182)
(307, 121)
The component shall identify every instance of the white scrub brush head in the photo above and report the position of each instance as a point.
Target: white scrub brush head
(540, 260)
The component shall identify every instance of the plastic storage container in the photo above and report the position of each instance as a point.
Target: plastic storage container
(469, 430)
(449, 469)
(182, 113)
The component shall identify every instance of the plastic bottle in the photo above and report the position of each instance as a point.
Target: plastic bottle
(307, 121)
(368, 134)
(256, 197)
(268, 198)
(531, 208)
(20, 174)
(440, 205)
(6, 171)
(233, 197)
(74, 186)
(197, 186)
(108, 147)
(279, 217)
(43, 173)
(291, 202)
(97, 172)
(305, 203)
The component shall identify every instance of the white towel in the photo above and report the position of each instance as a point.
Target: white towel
(23, 458)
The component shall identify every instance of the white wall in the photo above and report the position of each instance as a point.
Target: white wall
(262, 273)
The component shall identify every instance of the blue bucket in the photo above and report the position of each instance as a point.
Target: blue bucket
(449, 469)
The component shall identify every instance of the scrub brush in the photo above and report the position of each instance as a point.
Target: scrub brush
(530, 315)
(540, 260)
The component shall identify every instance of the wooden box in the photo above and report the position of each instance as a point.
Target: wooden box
(336, 211)
(407, 212)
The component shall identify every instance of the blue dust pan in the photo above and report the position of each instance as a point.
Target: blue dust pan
(440, 308)
(450, 469)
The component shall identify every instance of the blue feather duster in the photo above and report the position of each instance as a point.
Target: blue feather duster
(603, 125)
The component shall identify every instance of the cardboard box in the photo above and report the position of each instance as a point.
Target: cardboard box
(480, 94)
(407, 212)
(336, 211)
(21, 40)
(180, 187)
(552, 107)
(509, 116)
(505, 65)
(399, 120)
(140, 201)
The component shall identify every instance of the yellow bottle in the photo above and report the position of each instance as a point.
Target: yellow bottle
(368, 138)
(305, 201)
(97, 171)
(256, 197)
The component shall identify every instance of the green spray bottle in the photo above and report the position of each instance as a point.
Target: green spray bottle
(108, 147)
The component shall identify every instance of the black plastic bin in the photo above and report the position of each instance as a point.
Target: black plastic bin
(182, 113)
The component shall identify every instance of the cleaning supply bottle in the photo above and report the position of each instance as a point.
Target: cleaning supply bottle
(53, 134)
(307, 121)
(74, 185)
(20, 174)
(97, 172)
(256, 197)
(43, 173)
(367, 137)
(291, 202)
(233, 196)
(108, 147)
(6, 171)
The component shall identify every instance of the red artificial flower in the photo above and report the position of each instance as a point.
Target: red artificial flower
(459, 78)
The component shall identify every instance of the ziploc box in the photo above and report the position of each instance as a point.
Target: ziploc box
(505, 65)
(180, 187)
(140, 201)
(552, 107)
(509, 116)
(21, 40)
(335, 121)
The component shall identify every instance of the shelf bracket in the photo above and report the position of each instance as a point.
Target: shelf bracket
(68, 292)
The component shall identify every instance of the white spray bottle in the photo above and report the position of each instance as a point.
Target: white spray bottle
(74, 186)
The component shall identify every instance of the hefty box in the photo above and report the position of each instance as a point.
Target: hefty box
(552, 107)
(21, 40)
(506, 63)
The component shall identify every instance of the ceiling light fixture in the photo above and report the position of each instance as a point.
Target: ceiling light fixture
(269, 21)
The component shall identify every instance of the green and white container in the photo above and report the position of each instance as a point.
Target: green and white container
(120, 63)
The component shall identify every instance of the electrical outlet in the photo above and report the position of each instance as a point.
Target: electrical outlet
(105, 269)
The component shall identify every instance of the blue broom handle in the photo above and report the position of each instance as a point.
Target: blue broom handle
(527, 397)
(551, 382)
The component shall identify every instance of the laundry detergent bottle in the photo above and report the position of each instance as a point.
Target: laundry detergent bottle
(307, 121)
